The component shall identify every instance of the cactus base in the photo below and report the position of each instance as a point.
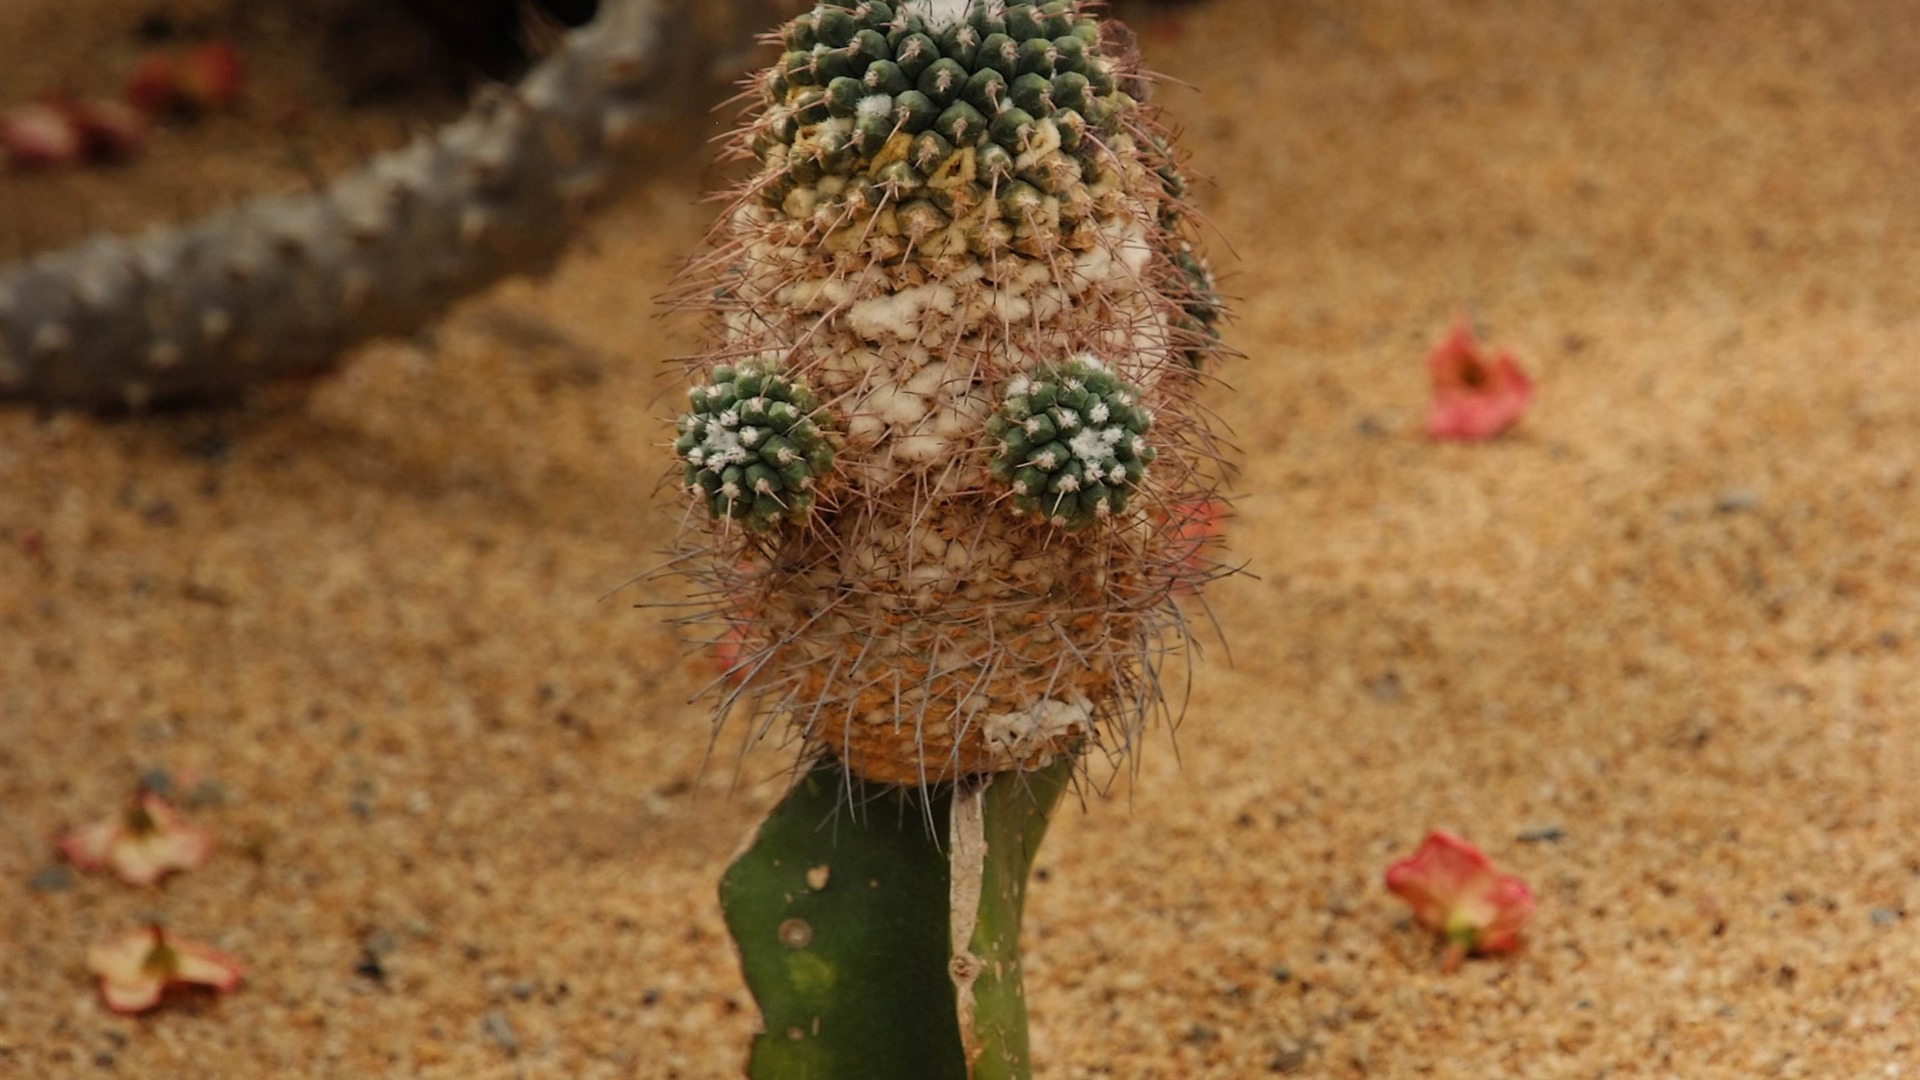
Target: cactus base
(843, 907)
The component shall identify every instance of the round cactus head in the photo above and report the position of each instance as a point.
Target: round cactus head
(753, 449)
(963, 269)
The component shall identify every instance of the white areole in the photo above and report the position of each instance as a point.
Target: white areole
(944, 13)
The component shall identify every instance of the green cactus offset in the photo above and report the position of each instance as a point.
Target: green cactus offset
(753, 450)
(1072, 442)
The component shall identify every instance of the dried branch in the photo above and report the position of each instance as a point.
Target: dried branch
(282, 285)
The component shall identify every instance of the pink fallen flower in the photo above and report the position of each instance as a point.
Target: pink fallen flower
(1194, 529)
(40, 136)
(154, 86)
(1455, 889)
(211, 76)
(142, 844)
(732, 654)
(1474, 398)
(138, 968)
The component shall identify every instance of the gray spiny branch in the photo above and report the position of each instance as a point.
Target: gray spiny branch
(282, 285)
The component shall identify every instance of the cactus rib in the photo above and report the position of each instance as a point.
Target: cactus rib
(281, 285)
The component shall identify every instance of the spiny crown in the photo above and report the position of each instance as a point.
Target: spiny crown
(933, 117)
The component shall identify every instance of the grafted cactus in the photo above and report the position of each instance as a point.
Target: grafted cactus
(965, 235)
(282, 285)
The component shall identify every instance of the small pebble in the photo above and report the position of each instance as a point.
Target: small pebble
(1386, 687)
(1546, 834)
(51, 879)
(521, 990)
(1884, 916)
(501, 1032)
(1736, 500)
(207, 793)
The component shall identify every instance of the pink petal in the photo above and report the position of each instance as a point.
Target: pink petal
(1455, 356)
(1438, 876)
(39, 136)
(204, 965)
(212, 76)
(1474, 399)
(1193, 527)
(127, 981)
(89, 846)
(132, 996)
(730, 650)
(143, 860)
(110, 131)
(154, 84)
(1514, 905)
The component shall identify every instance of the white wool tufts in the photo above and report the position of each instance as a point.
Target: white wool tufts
(1044, 722)
(944, 13)
(898, 314)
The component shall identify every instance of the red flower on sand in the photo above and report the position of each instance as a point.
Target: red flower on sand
(1455, 889)
(1474, 398)
(212, 76)
(141, 845)
(137, 969)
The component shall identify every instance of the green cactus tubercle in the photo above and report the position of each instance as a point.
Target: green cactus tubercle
(1071, 441)
(753, 446)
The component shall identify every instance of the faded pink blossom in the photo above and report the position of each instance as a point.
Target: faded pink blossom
(136, 969)
(1194, 529)
(732, 654)
(142, 844)
(212, 76)
(1474, 398)
(40, 136)
(1455, 889)
(154, 86)
(112, 132)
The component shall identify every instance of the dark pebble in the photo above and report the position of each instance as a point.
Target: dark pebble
(501, 1032)
(51, 879)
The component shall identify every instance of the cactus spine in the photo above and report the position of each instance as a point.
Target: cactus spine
(280, 286)
(965, 238)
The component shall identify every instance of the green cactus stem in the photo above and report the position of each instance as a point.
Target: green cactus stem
(844, 911)
(1017, 808)
(282, 285)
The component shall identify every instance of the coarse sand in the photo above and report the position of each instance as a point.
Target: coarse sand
(1655, 651)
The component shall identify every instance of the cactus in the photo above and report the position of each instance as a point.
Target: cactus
(848, 920)
(965, 237)
(282, 285)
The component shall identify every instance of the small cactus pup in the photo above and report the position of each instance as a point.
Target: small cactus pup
(935, 449)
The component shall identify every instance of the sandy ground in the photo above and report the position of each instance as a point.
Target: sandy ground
(1676, 617)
